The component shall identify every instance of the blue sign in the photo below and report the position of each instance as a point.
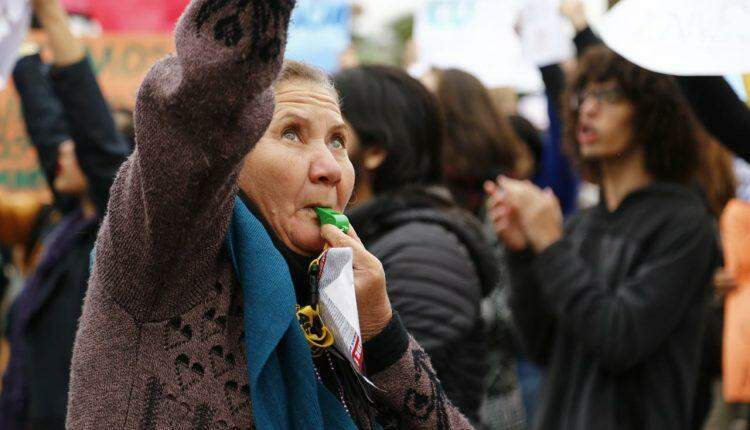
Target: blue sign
(319, 32)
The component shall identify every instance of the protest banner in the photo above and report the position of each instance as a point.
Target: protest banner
(735, 233)
(121, 62)
(130, 15)
(477, 36)
(15, 16)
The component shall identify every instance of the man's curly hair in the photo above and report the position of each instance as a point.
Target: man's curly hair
(663, 123)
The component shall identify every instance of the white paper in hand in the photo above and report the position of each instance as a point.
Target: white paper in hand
(15, 17)
(338, 303)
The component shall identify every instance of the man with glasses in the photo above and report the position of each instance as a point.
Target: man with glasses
(613, 303)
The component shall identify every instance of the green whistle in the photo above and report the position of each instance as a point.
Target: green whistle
(336, 219)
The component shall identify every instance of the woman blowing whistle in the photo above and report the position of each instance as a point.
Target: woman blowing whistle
(189, 320)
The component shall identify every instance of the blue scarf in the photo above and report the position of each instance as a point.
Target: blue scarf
(284, 390)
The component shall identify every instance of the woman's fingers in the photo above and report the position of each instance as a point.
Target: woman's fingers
(369, 281)
(337, 239)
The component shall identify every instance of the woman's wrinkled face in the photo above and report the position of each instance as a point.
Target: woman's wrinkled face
(69, 178)
(300, 162)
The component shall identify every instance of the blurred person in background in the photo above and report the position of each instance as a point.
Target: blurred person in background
(80, 151)
(727, 119)
(480, 143)
(614, 303)
(718, 182)
(724, 115)
(716, 174)
(437, 258)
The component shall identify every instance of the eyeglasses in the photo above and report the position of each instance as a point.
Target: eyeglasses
(601, 95)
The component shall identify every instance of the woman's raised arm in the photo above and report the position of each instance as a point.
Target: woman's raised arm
(197, 114)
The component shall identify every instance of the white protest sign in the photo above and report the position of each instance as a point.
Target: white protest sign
(543, 37)
(15, 16)
(477, 36)
(681, 37)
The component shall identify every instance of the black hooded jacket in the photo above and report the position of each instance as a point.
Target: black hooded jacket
(615, 310)
(438, 265)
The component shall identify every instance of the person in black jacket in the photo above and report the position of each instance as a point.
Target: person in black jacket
(438, 262)
(44, 318)
(726, 117)
(613, 304)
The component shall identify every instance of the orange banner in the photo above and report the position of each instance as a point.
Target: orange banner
(121, 61)
(735, 236)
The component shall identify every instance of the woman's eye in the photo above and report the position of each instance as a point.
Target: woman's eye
(337, 142)
(290, 134)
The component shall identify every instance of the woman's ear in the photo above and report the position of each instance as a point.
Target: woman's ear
(374, 157)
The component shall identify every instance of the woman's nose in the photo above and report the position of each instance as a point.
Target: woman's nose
(324, 169)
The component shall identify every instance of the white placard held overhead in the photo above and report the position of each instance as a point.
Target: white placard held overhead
(15, 17)
(681, 37)
(543, 37)
(477, 36)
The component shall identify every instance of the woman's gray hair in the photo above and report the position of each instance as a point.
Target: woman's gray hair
(295, 70)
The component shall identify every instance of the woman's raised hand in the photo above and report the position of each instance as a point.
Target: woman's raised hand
(373, 305)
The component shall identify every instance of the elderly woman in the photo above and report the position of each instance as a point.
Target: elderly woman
(189, 321)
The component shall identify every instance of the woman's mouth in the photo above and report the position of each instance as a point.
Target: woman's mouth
(310, 211)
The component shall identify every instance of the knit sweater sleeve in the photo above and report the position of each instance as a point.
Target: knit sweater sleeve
(409, 393)
(198, 112)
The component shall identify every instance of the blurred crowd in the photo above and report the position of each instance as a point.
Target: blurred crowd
(541, 304)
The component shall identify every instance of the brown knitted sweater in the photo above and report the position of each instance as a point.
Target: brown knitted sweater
(160, 342)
